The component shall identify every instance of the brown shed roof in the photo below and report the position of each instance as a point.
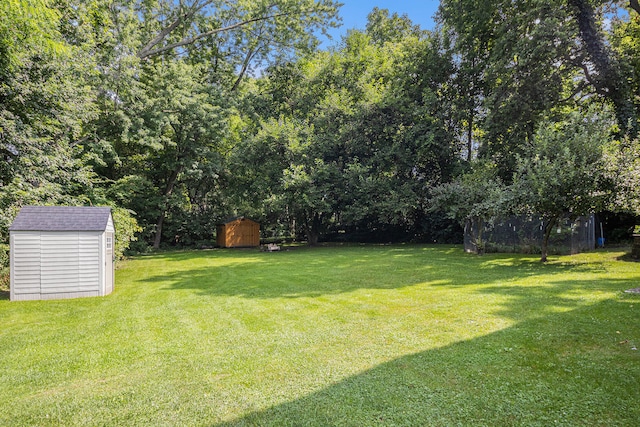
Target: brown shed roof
(236, 218)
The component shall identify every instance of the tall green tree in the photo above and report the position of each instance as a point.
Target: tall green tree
(166, 67)
(359, 133)
(518, 61)
(46, 101)
(603, 67)
(236, 36)
(383, 27)
(564, 172)
(178, 129)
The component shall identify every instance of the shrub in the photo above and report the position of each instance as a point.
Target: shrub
(4, 267)
(126, 227)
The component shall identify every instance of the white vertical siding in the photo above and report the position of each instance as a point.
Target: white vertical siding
(58, 262)
(25, 268)
(51, 265)
(89, 261)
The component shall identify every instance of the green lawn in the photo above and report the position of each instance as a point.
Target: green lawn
(332, 336)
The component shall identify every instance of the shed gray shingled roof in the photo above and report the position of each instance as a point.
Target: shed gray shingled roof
(61, 218)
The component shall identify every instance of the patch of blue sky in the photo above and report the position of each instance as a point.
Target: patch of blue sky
(354, 15)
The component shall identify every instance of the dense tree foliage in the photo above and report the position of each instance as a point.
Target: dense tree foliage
(355, 137)
(564, 171)
(45, 101)
(182, 114)
(475, 198)
(517, 61)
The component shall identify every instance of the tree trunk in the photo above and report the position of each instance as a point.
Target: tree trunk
(473, 228)
(171, 182)
(312, 230)
(480, 243)
(158, 236)
(471, 109)
(470, 132)
(243, 70)
(312, 237)
(545, 240)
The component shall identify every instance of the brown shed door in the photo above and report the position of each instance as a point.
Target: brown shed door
(246, 233)
(249, 234)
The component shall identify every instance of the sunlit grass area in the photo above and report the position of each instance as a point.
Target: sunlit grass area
(344, 336)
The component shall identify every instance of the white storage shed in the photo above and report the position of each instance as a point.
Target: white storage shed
(61, 252)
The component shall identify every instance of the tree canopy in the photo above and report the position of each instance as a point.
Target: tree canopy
(182, 114)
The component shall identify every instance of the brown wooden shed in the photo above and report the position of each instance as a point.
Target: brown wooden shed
(238, 232)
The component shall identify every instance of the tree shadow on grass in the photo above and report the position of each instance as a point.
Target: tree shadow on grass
(304, 272)
(627, 257)
(571, 368)
(325, 271)
(566, 358)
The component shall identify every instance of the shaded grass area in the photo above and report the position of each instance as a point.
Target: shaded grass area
(354, 335)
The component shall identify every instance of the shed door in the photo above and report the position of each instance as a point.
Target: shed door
(108, 263)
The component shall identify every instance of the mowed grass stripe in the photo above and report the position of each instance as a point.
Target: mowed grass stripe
(353, 335)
